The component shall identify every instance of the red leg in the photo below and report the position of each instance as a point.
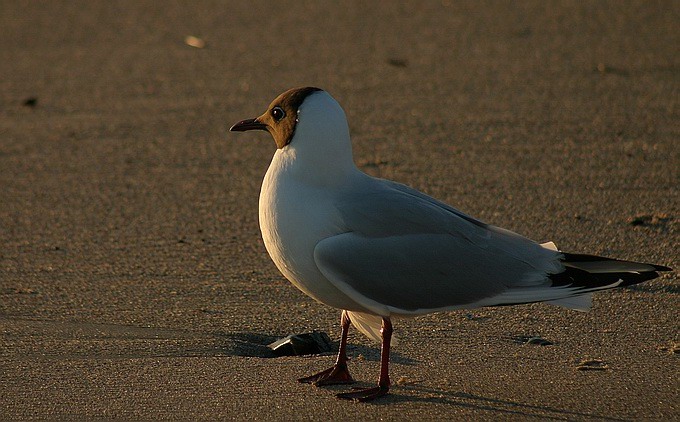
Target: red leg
(338, 373)
(384, 381)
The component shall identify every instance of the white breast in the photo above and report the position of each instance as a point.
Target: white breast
(294, 217)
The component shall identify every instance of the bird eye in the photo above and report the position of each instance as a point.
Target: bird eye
(278, 113)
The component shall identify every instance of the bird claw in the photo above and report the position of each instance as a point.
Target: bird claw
(337, 374)
(366, 394)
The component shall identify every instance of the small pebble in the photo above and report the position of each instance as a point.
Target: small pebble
(650, 220)
(592, 365)
(539, 341)
(398, 62)
(195, 42)
(407, 381)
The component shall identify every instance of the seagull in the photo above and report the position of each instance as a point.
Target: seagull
(379, 250)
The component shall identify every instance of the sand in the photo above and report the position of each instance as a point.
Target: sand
(133, 280)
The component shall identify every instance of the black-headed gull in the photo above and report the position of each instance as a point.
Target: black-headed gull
(378, 249)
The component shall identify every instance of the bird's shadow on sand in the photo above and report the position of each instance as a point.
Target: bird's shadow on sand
(256, 345)
(95, 340)
(496, 407)
(654, 288)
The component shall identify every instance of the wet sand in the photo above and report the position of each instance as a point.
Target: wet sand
(133, 280)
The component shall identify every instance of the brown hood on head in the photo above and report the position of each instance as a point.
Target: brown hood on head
(280, 118)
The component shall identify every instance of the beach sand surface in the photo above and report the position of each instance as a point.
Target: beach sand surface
(133, 280)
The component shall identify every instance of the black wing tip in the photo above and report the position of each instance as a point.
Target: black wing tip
(575, 257)
(574, 277)
(630, 279)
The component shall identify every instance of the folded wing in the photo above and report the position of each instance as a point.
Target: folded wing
(407, 253)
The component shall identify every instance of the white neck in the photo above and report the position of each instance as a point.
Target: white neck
(321, 150)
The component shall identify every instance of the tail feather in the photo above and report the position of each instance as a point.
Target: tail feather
(595, 272)
(599, 264)
(582, 275)
(577, 278)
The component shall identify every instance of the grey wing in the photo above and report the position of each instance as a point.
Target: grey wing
(393, 208)
(407, 252)
(417, 273)
(407, 190)
(389, 209)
